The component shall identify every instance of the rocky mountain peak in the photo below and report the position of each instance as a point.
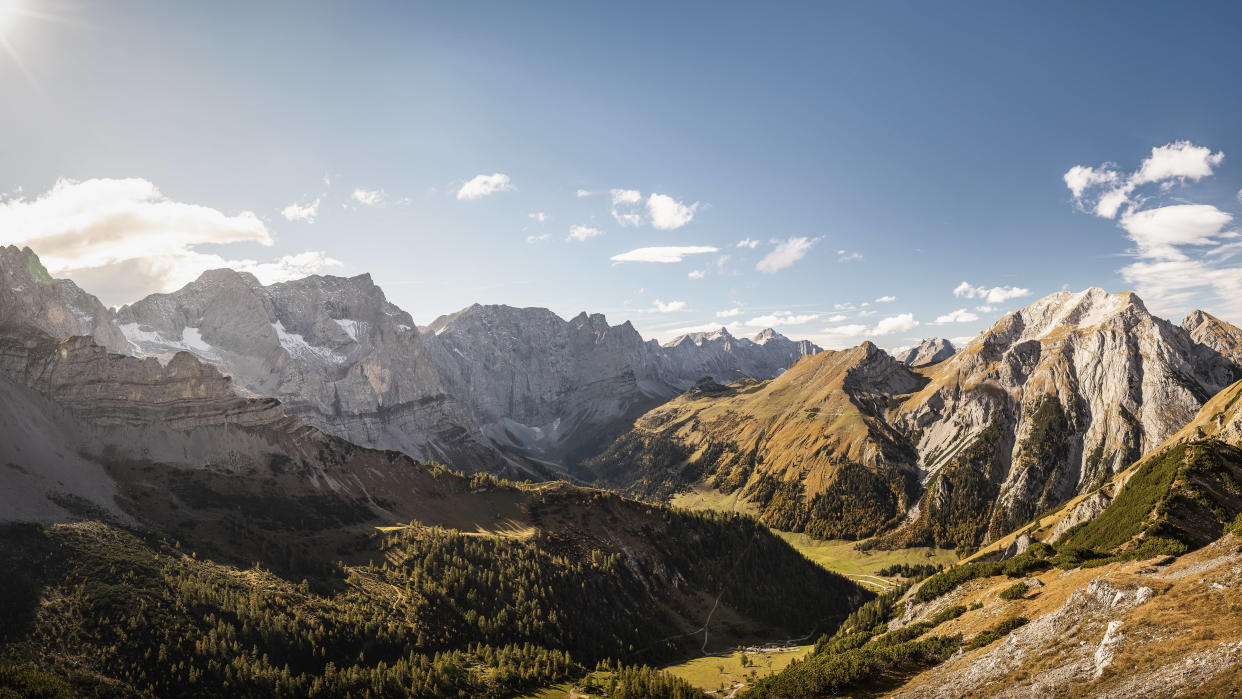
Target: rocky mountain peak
(1221, 336)
(766, 334)
(1067, 311)
(929, 351)
(29, 296)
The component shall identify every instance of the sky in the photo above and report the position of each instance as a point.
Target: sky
(839, 171)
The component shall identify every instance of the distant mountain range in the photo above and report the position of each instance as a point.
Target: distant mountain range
(505, 390)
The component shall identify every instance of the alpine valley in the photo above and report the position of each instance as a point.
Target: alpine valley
(294, 489)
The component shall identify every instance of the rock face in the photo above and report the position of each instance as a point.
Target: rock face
(1207, 329)
(726, 358)
(332, 349)
(1043, 406)
(930, 351)
(559, 389)
(30, 297)
(1050, 401)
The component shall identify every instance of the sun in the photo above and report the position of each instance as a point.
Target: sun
(9, 10)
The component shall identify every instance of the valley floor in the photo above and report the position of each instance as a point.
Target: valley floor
(838, 555)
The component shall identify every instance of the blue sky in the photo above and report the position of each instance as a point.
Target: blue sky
(879, 149)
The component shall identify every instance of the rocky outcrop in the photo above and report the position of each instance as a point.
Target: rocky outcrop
(930, 351)
(110, 389)
(332, 349)
(561, 388)
(1066, 392)
(1086, 509)
(537, 382)
(30, 296)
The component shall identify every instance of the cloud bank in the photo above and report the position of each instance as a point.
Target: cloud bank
(122, 239)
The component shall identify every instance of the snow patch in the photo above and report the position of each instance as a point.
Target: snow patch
(299, 348)
(349, 326)
(150, 342)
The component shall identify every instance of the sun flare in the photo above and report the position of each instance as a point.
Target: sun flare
(9, 11)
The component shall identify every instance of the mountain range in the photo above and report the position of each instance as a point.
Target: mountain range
(249, 465)
(1046, 404)
(519, 392)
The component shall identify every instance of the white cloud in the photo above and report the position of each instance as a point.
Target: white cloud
(538, 216)
(1177, 286)
(786, 253)
(672, 306)
(370, 197)
(625, 196)
(844, 256)
(1183, 250)
(627, 219)
(895, 324)
(123, 239)
(961, 315)
(886, 299)
(697, 274)
(962, 340)
(781, 318)
(1170, 164)
(730, 313)
(670, 253)
(584, 193)
(1111, 201)
(1178, 160)
(996, 294)
(484, 185)
(669, 214)
(752, 244)
(300, 212)
(536, 238)
(985, 309)
(842, 336)
(302, 264)
(837, 318)
(1082, 177)
(625, 206)
(581, 233)
(1158, 232)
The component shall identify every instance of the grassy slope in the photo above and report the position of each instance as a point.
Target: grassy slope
(838, 555)
(799, 447)
(725, 671)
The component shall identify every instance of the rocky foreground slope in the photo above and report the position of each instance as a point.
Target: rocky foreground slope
(1045, 405)
(1138, 598)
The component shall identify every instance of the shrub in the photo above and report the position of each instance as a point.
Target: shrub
(1022, 565)
(1000, 630)
(1014, 591)
(1236, 527)
(949, 614)
(947, 581)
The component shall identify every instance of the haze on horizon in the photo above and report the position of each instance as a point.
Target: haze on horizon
(838, 172)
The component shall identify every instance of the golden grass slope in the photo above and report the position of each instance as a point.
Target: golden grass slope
(805, 423)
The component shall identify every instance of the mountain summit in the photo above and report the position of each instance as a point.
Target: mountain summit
(1046, 404)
